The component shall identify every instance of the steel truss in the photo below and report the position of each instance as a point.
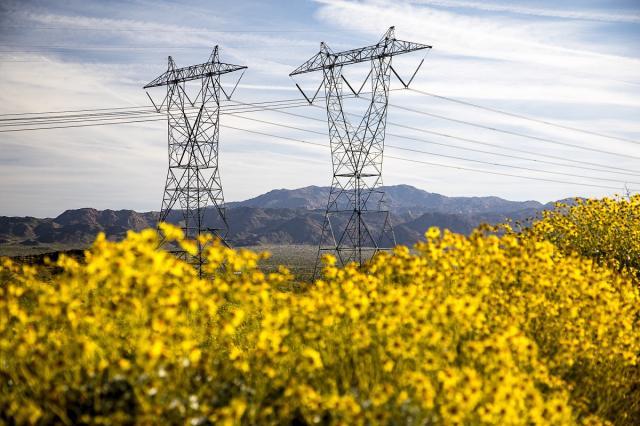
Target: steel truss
(193, 187)
(357, 223)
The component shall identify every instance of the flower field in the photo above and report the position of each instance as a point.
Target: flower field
(505, 327)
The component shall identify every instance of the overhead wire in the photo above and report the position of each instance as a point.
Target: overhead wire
(511, 148)
(446, 155)
(123, 116)
(132, 114)
(119, 111)
(427, 162)
(623, 171)
(523, 117)
(509, 174)
(513, 133)
(265, 106)
(43, 114)
(84, 125)
(70, 110)
(553, 163)
(18, 119)
(297, 99)
(127, 120)
(38, 49)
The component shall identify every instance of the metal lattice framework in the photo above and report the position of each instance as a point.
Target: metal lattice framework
(357, 223)
(193, 187)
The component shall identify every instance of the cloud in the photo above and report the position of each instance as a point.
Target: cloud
(496, 39)
(588, 15)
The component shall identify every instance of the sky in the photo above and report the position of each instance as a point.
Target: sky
(572, 63)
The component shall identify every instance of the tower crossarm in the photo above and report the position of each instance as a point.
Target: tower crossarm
(193, 72)
(388, 46)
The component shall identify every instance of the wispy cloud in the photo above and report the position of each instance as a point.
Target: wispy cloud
(587, 15)
(503, 39)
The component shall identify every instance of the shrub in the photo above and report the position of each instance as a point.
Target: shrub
(607, 230)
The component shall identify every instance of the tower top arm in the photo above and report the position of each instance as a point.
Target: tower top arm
(194, 72)
(387, 46)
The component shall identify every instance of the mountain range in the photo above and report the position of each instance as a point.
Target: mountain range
(281, 216)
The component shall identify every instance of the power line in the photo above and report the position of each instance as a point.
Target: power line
(412, 128)
(71, 110)
(622, 171)
(429, 163)
(124, 112)
(122, 115)
(287, 126)
(510, 132)
(627, 172)
(539, 154)
(84, 125)
(146, 107)
(131, 114)
(127, 121)
(126, 117)
(554, 163)
(390, 146)
(446, 155)
(507, 174)
(524, 117)
(510, 166)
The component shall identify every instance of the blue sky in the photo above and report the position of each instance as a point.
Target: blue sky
(575, 62)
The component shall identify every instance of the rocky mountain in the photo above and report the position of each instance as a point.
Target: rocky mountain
(399, 198)
(310, 197)
(278, 217)
(73, 226)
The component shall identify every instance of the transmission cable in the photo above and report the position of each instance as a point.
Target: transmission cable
(445, 155)
(627, 172)
(390, 146)
(554, 163)
(138, 114)
(475, 141)
(524, 151)
(274, 101)
(234, 108)
(524, 117)
(429, 163)
(125, 121)
(513, 133)
(146, 110)
(123, 117)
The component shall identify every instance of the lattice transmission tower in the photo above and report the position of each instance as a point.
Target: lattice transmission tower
(357, 223)
(193, 189)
